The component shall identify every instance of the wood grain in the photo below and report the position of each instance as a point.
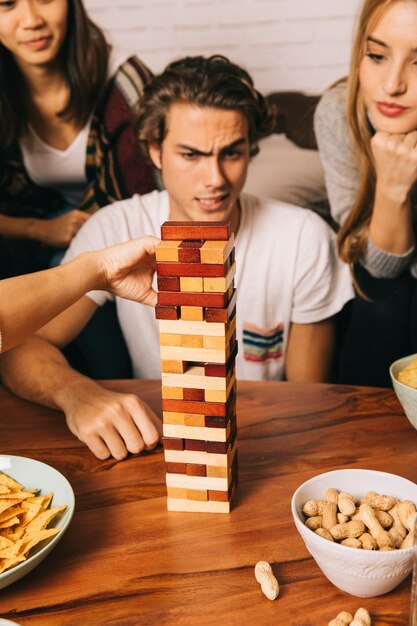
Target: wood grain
(126, 561)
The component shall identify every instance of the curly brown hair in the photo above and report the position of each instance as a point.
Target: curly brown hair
(213, 82)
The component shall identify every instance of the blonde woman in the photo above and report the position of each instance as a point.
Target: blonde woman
(366, 132)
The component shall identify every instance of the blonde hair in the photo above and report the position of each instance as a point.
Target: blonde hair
(353, 233)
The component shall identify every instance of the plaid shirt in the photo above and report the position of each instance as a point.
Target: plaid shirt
(115, 165)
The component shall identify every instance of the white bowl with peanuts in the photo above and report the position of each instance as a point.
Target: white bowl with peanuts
(358, 528)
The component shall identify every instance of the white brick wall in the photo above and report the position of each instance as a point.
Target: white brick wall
(285, 44)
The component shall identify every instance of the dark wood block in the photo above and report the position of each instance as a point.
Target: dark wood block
(206, 270)
(201, 408)
(195, 395)
(176, 468)
(167, 312)
(172, 443)
(184, 298)
(221, 369)
(214, 421)
(168, 283)
(189, 251)
(220, 447)
(194, 469)
(196, 230)
(196, 445)
(221, 315)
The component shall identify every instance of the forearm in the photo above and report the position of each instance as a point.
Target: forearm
(391, 227)
(19, 227)
(39, 372)
(28, 302)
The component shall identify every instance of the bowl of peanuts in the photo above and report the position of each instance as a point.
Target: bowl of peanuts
(403, 374)
(358, 526)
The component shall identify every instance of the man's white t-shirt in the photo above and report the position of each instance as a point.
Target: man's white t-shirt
(287, 271)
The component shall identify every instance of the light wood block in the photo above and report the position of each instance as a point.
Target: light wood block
(169, 339)
(213, 471)
(222, 284)
(173, 393)
(200, 355)
(193, 284)
(216, 251)
(220, 343)
(203, 458)
(196, 506)
(194, 378)
(183, 327)
(195, 432)
(197, 494)
(176, 492)
(197, 482)
(167, 250)
(192, 313)
(173, 367)
(193, 419)
(216, 395)
(177, 419)
(192, 341)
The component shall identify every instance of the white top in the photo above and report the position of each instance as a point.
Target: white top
(63, 170)
(287, 271)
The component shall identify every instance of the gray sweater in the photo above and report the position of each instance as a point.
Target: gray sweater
(342, 176)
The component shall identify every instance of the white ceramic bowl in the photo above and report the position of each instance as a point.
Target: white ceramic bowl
(31, 474)
(405, 394)
(362, 573)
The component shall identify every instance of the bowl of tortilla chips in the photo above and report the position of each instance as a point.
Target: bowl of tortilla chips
(36, 507)
(403, 374)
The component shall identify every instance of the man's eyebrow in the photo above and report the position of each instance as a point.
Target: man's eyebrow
(383, 44)
(234, 144)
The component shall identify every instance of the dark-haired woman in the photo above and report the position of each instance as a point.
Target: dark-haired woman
(67, 139)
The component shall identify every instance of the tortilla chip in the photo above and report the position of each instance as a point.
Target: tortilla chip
(13, 485)
(408, 377)
(9, 563)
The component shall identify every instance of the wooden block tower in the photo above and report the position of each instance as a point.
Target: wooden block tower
(197, 321)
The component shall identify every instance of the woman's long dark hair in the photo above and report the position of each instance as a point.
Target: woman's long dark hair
(84, 55)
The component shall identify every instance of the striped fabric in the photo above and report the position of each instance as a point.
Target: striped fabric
(115, 165)
(262, 344)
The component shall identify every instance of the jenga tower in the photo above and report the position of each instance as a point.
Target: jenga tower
(197, 312)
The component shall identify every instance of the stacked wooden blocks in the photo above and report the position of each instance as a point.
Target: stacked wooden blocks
(197, 321)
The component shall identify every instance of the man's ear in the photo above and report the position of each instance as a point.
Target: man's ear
(155, 154)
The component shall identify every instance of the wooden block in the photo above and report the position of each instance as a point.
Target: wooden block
(194, 469)
(220, 343)
(188, 251)
(197, 494)
(192, 269)
(221, 496)
(195, 230)
(196, 506)
(182, 298)
(192, 419)
(217, 395)
(220, 315)
(167, 250)
(173, 443)
(212, 435)
(191, 341)
(170, 283)
(176, 492)
(214, 421)
(194, 285)
(172, 393)
(194, 378)
(221, 284)
(216, 251)
(174, 418)
(194, 395)
(169, 339)
(219, 447)
(217, 409)
(223, 461)
(192, 313)
(183, 327)
(167, 312)
(197, 355)
(176, 468)
(194, 445)
(196, 482)
(173, 367)
(214, 369)
(216, 472)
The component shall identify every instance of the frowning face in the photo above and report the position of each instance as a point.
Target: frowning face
(204, 159)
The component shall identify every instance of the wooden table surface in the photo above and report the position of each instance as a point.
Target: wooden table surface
(125, 560)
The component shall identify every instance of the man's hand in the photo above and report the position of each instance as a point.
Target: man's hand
(113, 424)
(128, 269)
